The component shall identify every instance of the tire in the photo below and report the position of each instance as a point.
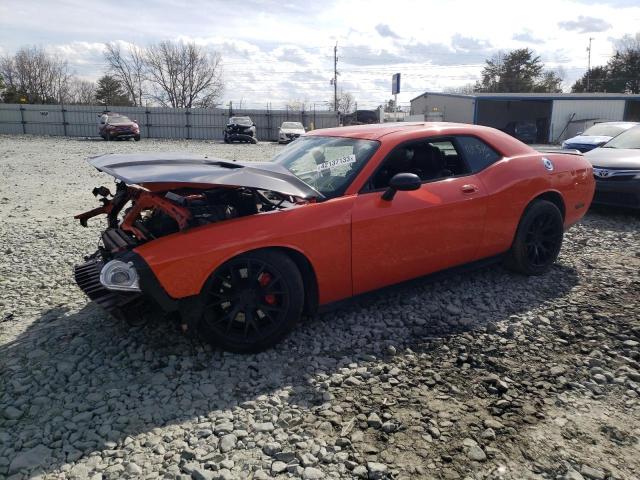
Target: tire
(538, 239)
(226, 139)
(265, 287)
(136, 138)
(254, 140)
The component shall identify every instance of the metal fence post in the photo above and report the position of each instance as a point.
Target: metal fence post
(188, 124)
(64, 120)
(24, 127)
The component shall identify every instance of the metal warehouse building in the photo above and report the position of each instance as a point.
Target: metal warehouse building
(557, 116)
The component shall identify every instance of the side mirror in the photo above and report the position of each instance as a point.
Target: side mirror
(401, 182)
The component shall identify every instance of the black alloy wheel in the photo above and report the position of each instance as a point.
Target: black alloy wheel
(252, 301)
(542, 239)
(538, 239)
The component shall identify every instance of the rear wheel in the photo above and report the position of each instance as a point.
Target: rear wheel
(538, 239)
(252, 302)
(136, 138)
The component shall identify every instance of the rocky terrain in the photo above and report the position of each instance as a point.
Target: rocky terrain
(485, 375)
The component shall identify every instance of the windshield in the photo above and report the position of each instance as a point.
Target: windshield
(328, 164)
(240, 121)
(119, 119)
(628, 139)
(604, 129)
(292, 125)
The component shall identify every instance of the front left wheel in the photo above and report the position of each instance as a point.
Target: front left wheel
(252, 302)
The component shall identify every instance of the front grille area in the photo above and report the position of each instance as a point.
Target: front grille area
(87, 277)
(616, 178)
(617, 198)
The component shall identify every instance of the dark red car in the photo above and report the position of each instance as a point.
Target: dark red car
(114, 126)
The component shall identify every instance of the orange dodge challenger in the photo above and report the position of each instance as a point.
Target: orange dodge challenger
(236, 252)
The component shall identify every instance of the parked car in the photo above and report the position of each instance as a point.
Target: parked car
(237, 251)
(596, 135)
(526, 132)
(241, 129)
(289, 131)
(616, 168)
(114, 126)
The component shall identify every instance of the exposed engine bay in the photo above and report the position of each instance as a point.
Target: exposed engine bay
(136, 215)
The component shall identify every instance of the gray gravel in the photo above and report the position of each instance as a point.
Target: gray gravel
(487, 375)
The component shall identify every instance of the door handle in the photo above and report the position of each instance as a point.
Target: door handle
(469, 188)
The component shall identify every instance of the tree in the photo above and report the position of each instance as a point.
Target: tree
(624, 67)
(184, 74)
(621, 74)
(466, 89)
(129, 68)
(390, 106)
(35, 75)
(298, 105)
(110, 92)
(346, 103)
(518, 71)
(81, 92)
(598, 81)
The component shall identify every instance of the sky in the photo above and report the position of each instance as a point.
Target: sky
(281, 51)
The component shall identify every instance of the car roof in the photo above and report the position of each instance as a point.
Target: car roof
(622, 124)
(401, 131)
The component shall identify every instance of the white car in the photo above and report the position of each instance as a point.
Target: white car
(289, 131)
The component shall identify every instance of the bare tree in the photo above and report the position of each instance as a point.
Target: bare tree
(466, 89)
(184, 74)
(36, 75)
(129, 68)
(81, 92)
(346, 103)
(296, 104)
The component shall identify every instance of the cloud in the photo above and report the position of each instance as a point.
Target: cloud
(585, 25)
(293, 54)
(385, 31)
(460, 42)
(526, 36)
(613, 3)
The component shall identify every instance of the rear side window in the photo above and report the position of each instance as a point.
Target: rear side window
(478, 154)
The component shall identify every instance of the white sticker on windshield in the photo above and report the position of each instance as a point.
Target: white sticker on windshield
(336, 162)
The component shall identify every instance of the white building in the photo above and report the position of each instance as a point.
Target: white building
(556, 115)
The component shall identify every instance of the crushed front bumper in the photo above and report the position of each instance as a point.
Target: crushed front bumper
(118, 303)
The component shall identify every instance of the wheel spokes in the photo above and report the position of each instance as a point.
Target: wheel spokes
(245, 299)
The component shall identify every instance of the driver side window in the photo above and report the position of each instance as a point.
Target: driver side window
(431, 160)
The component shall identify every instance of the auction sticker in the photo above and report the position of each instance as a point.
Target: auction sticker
(336, 162)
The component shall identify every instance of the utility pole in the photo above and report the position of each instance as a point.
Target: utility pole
(335, 77)
(589, 64)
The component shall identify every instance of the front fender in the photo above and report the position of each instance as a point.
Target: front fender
(183, 262)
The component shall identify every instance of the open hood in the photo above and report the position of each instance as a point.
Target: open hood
(147, 168)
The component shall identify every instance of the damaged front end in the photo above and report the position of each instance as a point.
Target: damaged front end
(159, 196)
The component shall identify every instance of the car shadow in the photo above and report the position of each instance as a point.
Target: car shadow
(85, 383)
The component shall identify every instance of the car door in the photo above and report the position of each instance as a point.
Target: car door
(418, 232)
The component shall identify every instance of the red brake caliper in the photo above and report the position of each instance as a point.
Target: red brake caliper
(264, 280)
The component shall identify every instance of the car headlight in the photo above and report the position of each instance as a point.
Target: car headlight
(118, 275)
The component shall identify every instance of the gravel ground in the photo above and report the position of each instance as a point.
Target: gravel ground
(486, 375)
